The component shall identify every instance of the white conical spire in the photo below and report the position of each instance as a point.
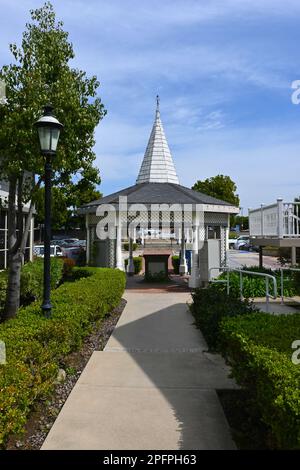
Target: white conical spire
(157, 166)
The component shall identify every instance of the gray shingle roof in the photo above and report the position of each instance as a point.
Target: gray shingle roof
(156, 193)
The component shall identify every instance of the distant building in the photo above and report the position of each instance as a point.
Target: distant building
(4, 188)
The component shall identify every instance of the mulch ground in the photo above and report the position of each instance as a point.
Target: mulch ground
(45, 411)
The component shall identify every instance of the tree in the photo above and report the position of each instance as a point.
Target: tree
(220, 186)
(65, 202)
(41, 73)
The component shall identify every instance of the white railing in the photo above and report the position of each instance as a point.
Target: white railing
(279, 220)
(268, 278)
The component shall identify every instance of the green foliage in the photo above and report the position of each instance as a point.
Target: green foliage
(41, 73)
(36, 345)
(65, 201)
(161, 276)
(68, 268)
(126, 246)
(32, 280)
(220, 186)
(255, 286)
(258, 347)
(138, 264)
(210, 306)
(32, 277)
(242, 221)
(176, 263)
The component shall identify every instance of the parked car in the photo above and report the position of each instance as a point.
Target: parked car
(55, 250)
(64, 241)
(248, 246)
(231, 243)
(241, 241)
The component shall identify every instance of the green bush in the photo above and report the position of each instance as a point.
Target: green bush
(126, 246)
(32, 280)
(176, 263)
(254, 286)
(138, 264)
(32, 277)
(258, 347)
(210, 305)
(35, 345)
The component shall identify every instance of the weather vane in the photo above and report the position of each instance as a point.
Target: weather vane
(157, 102)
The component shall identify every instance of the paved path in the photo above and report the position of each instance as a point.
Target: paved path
(153, 387)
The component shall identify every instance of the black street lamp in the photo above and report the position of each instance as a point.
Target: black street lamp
(48, 130)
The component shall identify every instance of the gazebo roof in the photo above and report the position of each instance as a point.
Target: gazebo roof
(157, 182)
(157, 165)
(159, 193)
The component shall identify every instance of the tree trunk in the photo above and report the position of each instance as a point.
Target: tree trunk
(12, 301)
(16, 244)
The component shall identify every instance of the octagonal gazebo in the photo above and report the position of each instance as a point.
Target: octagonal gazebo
(158, 204)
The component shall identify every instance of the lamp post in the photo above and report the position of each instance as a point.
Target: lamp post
(48, 131)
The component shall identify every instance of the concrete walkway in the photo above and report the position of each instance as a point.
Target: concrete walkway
(153, 387)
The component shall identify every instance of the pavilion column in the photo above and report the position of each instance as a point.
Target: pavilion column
(119, 260)
(293, 256)
(183, 265)
(130, 267)
(31, 243)
(88, 242)
(194, 280)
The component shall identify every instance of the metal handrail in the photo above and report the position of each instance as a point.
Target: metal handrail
(267, 277)
(251, 273)
(225, 281)
(281, 280)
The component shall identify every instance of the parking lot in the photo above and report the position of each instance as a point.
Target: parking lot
(239, 258)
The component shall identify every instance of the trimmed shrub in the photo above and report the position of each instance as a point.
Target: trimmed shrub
(68, 268)
(210, 305)
(32, 277)
(258, 348)
(176, 263)
(32, 280)
(35, 345)
(138, 264)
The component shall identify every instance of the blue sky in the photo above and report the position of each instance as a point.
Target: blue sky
(223, 70)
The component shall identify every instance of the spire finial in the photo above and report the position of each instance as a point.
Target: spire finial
(157, 103)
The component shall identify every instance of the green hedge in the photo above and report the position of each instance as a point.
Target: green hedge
(210, 305)
(258, 347)
(32, 279)
(176, 263)
(35, 346)
(138, 264)
(254, 286)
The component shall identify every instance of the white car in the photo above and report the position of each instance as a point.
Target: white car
(55, 250)
(240, 241)
(231, 243)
